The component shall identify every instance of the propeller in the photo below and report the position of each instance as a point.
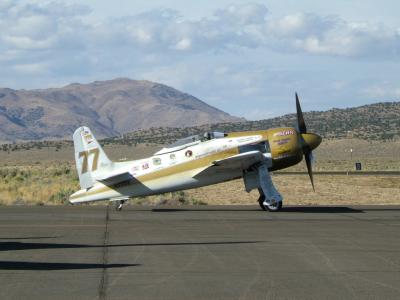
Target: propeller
(300, 119)
(309, 141)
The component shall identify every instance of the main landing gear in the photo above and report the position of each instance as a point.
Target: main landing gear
(272, 206)
(270, 199)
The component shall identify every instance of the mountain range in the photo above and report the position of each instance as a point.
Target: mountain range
(131, 111)
(109, 108)
(378, 121)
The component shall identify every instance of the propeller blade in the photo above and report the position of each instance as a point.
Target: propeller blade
(308, 157)
(307, 151)
(300, 120)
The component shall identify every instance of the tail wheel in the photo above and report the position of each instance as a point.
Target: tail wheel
(119, 204)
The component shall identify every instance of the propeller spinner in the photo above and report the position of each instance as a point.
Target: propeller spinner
(309, 141)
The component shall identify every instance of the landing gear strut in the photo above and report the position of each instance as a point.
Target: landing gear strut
(118, 204)
(270, 199)
(261, 199)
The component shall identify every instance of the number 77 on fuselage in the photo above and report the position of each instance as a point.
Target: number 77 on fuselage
(193, 162)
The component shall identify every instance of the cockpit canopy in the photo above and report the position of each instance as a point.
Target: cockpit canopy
(213, 135)
(184, 141)
(194, 139)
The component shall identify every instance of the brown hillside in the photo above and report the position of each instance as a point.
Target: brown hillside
(109, 108)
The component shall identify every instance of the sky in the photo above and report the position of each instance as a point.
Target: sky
(246, 58)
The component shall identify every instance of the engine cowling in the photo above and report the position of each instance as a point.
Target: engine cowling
(286, 147)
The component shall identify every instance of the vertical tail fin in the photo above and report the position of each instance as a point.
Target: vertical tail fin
(89, 156)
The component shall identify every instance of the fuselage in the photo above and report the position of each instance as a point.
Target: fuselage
(175, 168)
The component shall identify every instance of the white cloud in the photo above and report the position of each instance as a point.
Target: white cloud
(249, 26)
(382, 91)
(330, 35)
(30, 69)
(184, 44)
(242, 15)
(238, 54)
(141, 35)
(302, 25)
(27, 43)
(34, 33)
(55, 27)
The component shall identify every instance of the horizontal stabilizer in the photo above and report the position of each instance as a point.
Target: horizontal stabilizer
(115, 177)
(119, 199)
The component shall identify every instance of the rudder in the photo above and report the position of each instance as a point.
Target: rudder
(89, 156)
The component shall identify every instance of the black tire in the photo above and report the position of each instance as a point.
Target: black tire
(275, 207)
(118, 206)
(261, 201)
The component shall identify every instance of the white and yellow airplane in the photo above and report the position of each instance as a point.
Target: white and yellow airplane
(193, 162)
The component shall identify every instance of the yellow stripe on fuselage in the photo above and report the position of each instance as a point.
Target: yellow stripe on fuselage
(193, 164)
(176, 169)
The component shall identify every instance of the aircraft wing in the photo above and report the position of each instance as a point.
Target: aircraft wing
(241, 161)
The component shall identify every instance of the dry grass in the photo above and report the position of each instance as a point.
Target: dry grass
(332, 155)
(52, 184)
(47, 176)
(66, 154)
(38, 184)
(296, 189)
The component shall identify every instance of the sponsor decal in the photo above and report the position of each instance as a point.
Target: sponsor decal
(284, 133)
(87, 137)
(145, 165)
(188, 153)
(134, 170)
(156, 161)
(282, 141)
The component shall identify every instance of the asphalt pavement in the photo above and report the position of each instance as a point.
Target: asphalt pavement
(204, 252)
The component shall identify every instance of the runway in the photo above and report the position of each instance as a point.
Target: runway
(205, 252)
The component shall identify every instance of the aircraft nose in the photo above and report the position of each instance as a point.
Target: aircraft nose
(312, 140)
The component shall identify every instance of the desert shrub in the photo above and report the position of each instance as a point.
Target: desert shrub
(61, 171)
(61, 196)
